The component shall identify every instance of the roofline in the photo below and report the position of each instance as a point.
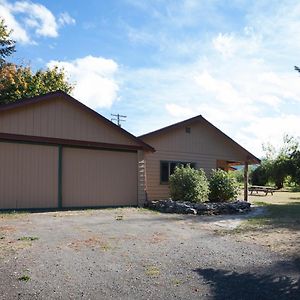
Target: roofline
(49, 96)
(252, 158)
(172, 126)
(7, 137)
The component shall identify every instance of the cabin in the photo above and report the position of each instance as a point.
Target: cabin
(56, 153)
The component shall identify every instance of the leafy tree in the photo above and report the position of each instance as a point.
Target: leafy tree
(188, 184)
(295, 158)
(277, 164)
(7, 45)
(260, 175)
(18, 81)
(222, 187)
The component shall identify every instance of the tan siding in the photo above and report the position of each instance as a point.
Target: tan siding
(99, 178)
(28, 176)
(59, 118)
(155, 189)
(203, 146)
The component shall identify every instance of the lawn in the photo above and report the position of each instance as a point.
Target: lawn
(278, 228)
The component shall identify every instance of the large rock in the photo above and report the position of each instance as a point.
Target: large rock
(184, 207)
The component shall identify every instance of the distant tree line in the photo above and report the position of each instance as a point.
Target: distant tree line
(278, 167)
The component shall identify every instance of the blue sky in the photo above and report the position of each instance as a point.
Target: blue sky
(160, 62)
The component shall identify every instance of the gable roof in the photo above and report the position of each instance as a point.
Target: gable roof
(60, 94)
(252, 158)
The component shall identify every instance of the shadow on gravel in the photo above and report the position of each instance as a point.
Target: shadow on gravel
(248, 286)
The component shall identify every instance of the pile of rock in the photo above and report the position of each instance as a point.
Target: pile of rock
(206, 208)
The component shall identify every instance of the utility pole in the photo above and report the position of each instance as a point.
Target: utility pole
(119, 118)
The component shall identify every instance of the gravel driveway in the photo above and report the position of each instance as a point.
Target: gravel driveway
(135, 254)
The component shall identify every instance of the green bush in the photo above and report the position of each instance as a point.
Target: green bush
(222, 186)
(188, 184)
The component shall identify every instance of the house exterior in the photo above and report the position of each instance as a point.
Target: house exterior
(57, 153)
(195, 141)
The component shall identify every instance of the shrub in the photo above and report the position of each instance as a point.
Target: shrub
(222, 186)
(188, 184)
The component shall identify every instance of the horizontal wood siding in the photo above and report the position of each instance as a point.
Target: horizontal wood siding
(98, 178)
(59, 118)
(155, 189)
(203, 146)
(28, 176)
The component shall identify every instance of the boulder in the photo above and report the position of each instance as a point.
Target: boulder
(184, 207)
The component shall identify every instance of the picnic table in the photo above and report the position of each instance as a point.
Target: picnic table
(264, 189)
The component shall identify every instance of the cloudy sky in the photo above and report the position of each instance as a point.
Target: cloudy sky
(162, 61)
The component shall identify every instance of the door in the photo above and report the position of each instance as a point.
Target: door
(98, 178)
(28, 176)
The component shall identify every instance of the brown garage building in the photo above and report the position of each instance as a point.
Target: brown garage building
(57, 153)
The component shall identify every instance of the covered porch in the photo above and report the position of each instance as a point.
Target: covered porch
(228, 165)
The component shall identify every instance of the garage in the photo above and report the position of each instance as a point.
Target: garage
(57, 153)
(98, 178)
(28, 176)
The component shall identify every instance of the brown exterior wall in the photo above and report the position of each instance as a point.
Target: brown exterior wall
(59, 118)
(99, 178)
(28, 176)
(203, 146)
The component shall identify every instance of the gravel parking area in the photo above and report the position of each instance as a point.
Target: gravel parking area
(135, 254)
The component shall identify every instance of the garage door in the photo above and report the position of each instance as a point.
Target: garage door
(28, 176)
(98, 178)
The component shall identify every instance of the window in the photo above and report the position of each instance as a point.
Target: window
(188, 129)
(167, 168)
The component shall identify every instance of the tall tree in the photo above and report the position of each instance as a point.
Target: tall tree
(7, 45)
(18, 81)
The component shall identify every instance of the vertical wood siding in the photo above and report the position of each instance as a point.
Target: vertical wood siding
(203, 146)
(59, 118)
(28, 176)
(99, 178)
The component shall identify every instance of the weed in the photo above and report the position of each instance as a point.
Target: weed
(24, 278)
(152, 271)
(28, 238)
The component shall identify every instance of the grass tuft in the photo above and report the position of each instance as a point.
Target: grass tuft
(24, 278)
(28, 238)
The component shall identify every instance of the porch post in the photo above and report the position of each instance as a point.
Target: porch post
(246, 181)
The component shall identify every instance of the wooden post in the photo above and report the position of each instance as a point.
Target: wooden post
(246, 181)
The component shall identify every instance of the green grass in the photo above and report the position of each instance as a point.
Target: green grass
(277, 216)
(28, 238)
(24, 278)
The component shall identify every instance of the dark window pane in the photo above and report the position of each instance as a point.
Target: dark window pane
(172, 167)
(164, 171)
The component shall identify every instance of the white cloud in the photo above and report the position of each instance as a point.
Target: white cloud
(19, 33)
(268, 129)
(179, 111)
(27, 18)
(66, 19)
(94, 77)
(38, 17)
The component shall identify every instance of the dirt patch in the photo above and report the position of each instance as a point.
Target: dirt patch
(158, 237)
(90, 243)
(7, 229)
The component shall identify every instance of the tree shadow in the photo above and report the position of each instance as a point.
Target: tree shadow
(248, 286)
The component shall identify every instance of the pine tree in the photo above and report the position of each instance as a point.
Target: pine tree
(7, 45)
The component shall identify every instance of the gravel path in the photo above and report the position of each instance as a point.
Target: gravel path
(135, 254)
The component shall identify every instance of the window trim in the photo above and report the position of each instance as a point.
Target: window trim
(169, 162)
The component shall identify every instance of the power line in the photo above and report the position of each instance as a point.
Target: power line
(118, 118)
